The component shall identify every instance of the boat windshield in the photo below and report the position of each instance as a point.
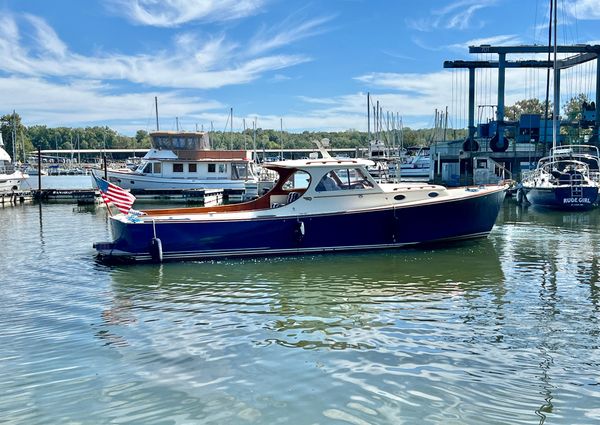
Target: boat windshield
(344, 179)
(149, 168)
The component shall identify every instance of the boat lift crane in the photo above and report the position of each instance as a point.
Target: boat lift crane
(582, 53)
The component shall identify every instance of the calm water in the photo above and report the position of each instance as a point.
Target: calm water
(503, 330)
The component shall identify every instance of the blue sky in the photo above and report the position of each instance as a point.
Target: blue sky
(308, 64)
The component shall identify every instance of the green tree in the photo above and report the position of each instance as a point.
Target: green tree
(14, 135)
(573, 113)
(526, 106)
(572, 110)
(142, 139)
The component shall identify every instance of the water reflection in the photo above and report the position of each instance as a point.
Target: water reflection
(324, 297)
(249, 316)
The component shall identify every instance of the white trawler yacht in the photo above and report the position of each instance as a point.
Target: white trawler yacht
(184, 160)
(10, 177)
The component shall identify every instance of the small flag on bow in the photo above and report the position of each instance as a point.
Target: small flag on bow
(112, 193)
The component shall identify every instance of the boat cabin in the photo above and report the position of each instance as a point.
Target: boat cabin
(326, 184)
(187, 155)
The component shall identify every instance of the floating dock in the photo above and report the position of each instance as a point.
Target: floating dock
(207, 197)
(15, 197)
(78, 196)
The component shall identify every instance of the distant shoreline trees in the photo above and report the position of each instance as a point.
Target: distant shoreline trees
(30, 138)
(97, 137)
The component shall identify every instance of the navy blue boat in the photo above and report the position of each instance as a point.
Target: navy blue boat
(565, 180)
(317, 205)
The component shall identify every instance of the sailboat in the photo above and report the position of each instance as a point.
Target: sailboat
(565, 179)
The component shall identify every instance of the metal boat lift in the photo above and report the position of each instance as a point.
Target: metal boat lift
(581, 53)
(459, 161)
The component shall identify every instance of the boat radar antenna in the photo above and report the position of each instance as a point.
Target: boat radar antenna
(322, 145)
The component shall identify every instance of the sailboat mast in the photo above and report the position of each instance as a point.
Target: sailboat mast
(156, 109)
(368, 117)
(14, 136)
(555, 128)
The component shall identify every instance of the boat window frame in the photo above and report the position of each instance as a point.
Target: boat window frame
(178, 167)
(290, 182)
(333, 180)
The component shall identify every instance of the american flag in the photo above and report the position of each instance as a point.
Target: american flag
(112, 193)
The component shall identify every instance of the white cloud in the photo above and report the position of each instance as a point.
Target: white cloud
(415, 96)
(457, 15)
(584, 9)
(172, 13)
(190, 63)
(85, 102)
(286, 33)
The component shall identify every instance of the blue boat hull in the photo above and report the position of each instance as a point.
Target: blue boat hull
(370, 229)
(562, 198)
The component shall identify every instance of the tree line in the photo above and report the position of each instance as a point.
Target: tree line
(28, 139)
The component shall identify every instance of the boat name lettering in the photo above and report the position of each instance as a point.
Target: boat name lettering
(576, 200)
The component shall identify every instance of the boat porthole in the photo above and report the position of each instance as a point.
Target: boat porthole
(399, 197)
(433, 194)
(118, 180)
(132, 182)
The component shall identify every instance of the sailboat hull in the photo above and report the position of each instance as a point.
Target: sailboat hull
(568, 198)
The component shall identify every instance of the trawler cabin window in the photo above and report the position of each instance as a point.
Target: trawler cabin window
(147, 168)
(212, 168)
(178, 168)
(156, 167)
(222, 168)
(192, 168)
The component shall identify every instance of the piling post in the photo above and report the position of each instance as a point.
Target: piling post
(39, 164)
(501, 85)
(104, 167)
(471, 135)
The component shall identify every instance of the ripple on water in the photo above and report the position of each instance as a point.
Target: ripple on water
(501, 330)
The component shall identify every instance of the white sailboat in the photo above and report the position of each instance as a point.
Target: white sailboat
(564, 179)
